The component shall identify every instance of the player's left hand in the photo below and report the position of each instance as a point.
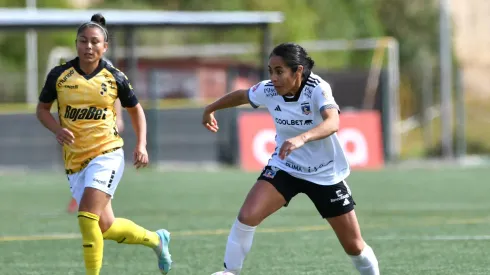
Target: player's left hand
(289, 145)
(140, 157)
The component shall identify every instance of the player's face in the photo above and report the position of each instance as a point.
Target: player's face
(284, 79)
(91, 45)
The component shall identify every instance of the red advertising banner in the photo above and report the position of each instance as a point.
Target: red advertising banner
(359, 133)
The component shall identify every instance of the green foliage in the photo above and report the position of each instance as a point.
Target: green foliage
(12, 44)
(413, 23)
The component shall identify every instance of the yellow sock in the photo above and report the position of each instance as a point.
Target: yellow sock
(93, 242)
(126, 231)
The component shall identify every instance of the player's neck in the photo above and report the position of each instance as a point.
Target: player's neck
(89, 68)
(295, 88)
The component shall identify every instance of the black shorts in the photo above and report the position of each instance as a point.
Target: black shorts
(330, 200)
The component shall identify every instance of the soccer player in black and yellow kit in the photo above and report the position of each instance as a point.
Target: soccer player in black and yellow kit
(86, 89)
(73, 205)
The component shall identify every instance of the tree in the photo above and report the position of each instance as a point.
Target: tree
(413, 23)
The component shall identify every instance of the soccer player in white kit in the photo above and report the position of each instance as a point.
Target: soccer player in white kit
(308, 158)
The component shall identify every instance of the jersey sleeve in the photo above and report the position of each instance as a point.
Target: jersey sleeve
(125, 91)
(256, 95)
(323, 98)
(49, 93)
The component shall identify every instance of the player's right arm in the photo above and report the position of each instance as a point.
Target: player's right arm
(43, 111)
(230, 100)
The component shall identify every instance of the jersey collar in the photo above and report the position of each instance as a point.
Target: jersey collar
(76, 65)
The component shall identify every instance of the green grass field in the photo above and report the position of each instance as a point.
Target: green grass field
(418, 222)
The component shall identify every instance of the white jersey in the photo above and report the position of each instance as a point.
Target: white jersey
(322, 161)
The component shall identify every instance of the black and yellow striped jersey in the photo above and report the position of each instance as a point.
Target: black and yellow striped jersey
(86, 108)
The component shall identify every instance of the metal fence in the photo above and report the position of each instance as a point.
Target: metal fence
(180, 138)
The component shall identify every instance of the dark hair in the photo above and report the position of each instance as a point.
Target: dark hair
(97, 21)
(294, 55)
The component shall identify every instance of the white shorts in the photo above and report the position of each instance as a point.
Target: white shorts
(103, 173)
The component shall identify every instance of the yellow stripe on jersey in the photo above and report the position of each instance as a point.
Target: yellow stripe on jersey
(86, 108)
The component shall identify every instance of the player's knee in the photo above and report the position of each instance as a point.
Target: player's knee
(106, 219)
(250, 217)
(353, 247)
(105, 223)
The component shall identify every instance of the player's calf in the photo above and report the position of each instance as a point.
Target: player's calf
(347, 230)
(93, 242)
(239, 243)
(365, 262)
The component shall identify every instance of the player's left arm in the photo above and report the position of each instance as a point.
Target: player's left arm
(329, 126)
(323, 102)
(329, 110)
(138, 120)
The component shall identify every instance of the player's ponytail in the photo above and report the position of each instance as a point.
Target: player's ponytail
(310, 63)
(294, 55)
(99, 19)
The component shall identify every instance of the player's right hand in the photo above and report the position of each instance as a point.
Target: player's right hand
(65, 136)
(209, 121)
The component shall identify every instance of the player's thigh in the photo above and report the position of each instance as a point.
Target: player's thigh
(102, 177)
(347, 229)
(269, 194)
(336, 204)
(93, 201)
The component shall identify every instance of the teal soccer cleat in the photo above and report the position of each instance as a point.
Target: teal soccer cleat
(163, 254)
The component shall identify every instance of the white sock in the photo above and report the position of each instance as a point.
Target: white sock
(238, 246)
(366, 263)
